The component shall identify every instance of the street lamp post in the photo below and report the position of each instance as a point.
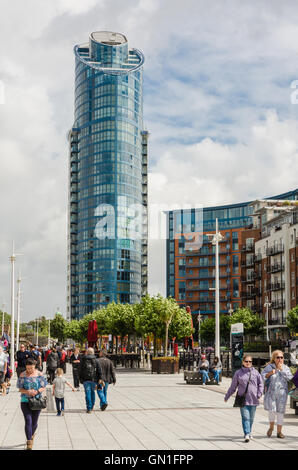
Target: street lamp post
(199, 322)
(49, 334)
(231, 313)
(37, 331)
(217, 237)
(267, 304)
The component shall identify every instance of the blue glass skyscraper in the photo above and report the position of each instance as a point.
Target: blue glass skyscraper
(107, 176)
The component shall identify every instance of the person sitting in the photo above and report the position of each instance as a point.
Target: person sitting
(204, 369)
(216, 368)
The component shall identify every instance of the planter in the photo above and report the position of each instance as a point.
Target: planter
(165, 365)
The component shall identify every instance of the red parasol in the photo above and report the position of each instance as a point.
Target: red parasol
(92, 334)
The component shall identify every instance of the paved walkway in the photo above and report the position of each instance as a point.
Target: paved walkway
(156, 412)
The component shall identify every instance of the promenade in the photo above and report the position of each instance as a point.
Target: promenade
(154, 412)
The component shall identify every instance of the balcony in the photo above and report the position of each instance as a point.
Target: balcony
(248, 263)
(277, 321)
(275, 268)
(276, 286)
(248, 248)
(275, 250)
(276, 304)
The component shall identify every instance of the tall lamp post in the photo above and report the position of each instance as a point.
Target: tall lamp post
(267, 304)
(199, 317)
(231, 311)
(216, 238)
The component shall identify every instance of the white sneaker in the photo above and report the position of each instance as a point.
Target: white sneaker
(246, 438)
(250, 437)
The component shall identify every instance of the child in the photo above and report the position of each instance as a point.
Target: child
(59, 389)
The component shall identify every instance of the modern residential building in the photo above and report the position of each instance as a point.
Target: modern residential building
(276, 253)
(191, 270)
(107, 176)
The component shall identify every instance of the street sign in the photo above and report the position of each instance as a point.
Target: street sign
(237, 346)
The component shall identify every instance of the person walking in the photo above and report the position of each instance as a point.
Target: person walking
(249, 383)
(31, 383)
(108, 376)
(35, 354)
(90, 376)
(276, 376)
(21, 357)
(204, 369)
(62, 359)
(59, 391)
(52, 364)
(3, 370)
(216, 369)
(75, 360)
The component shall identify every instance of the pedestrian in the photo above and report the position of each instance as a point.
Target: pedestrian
(108, 376)
(295, 379)
(216, 369)
(75, 360)
(35, 354)
(249, 383)
(276, 376)
(3, 371)
(21, 356)
(52, 364)
(31, 383)
(204, 369)
(59, 390)
(90, 376)
(62, 359)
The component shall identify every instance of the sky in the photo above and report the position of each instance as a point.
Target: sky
(218, 104)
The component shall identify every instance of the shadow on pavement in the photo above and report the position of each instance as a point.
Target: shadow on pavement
(12, 447)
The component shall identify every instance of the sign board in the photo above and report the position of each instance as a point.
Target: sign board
(237, 346)
(237, 328)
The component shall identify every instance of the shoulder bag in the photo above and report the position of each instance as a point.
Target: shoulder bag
(37, 403)
(240, 399)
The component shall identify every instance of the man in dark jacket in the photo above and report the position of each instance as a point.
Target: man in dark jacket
(75, 360)
(90, 376)
(108, 377)
(52, 364)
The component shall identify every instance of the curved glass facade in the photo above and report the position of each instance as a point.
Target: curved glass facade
(107, 175)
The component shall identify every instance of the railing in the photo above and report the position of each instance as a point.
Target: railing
(274, 268)
(275, 250)
(278, 304)
(276, 286)
(247, 248)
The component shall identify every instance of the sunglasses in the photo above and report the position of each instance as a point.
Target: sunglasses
(248, 361)
(279, 357)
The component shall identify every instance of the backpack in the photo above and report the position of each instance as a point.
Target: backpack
(89, 369)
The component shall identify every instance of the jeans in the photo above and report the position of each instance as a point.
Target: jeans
(31, 420)
(216, 373)
(247, 414)
(205, 376)
(89, 394)
(59, 404)
(102, 393)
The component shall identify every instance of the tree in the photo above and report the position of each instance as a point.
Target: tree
(252, 323)
(180, 326)
(292, 320)
(58, 327)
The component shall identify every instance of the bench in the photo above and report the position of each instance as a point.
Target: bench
(196, 378)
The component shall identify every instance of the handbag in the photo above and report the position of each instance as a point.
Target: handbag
(37, 403)
(240, 399)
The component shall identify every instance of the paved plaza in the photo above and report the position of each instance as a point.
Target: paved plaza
(153, 412)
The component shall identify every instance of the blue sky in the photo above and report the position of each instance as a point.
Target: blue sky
(217, 79)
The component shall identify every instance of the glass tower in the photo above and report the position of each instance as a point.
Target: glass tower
(107, 261)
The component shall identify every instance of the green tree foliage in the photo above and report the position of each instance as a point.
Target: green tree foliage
(292, 320)
(58, 327)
